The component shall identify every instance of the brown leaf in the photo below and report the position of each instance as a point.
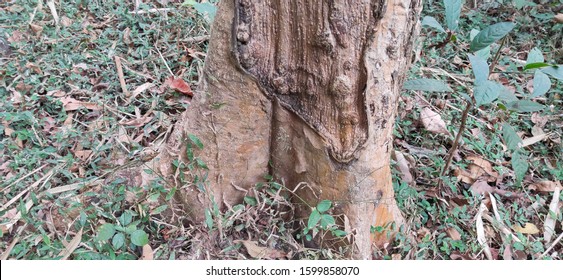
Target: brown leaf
(261, 252)
(558, 18)
(544, 186)
(528, 228)
(138, 122)
(481, 187)
(83, 154)
(549, 224)
(71, 246)
(179, 85)
(464, 176)
(71, 104)
(453, 233)
(34, 68)
(16, 37)
(433, 122)
(481, 167)
(65, 21)
(147, 253)
(37, 29)
(403, 166)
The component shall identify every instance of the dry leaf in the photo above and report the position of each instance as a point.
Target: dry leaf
(433, 122)
(34, 68)
(71, 246)
(528, 228)
(82, 154)
(549, 224)
(403, 166)
(481, 238)
(71, 104)
(179, 85)
(480, 167)
(37, 29)
(507, 253)
(147, 253)
(532, 140)
(464, 176)
(65, 21)
(558, 18)
(544, 186)
(453, 233)
(481, 187)
(138, 122)
(260, 252)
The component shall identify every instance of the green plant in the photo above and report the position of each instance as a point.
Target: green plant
(320, 219)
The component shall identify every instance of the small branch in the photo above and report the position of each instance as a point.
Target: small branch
(552, 245)
(164, 60)
(121, 76)
(453, 149)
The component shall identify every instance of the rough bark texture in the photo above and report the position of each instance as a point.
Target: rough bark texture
(310, 86)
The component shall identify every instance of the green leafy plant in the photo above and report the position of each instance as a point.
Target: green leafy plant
(320, 219)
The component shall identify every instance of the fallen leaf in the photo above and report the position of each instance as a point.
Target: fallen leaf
(549, 224)
(532, 140)
(464, 176)
(481, 238)
(65, 21)
(433, 122)
(539, 120)
(403, 166)
(558, 18)
(15, 37)
(528, 228)
(260, 252)
(147, 253)
(422, 233)
(481, 187)
(34, 68)
(453, 233)
(544, 186)
(37, 29)
(396, 257)
(83, 154)
(138, 122)
(480, 167)
(507, 253)
(71, 246)
(142, 88)
(71, 104)
(179, 85)
(456, 255)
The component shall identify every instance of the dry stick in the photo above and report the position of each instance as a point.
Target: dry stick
(466, 113)
(164, 60)
(121, 76)
(552, 245)
(25, 176)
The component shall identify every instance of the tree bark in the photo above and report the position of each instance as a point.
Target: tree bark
(305, 90)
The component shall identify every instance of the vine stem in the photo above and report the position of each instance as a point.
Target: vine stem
(465, 114)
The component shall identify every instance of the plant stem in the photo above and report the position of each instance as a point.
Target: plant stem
(465, 114)
(453, 149)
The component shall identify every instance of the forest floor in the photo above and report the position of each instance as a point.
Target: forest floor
(89, 87)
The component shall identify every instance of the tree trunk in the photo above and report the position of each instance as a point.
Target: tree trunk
(305, 90)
